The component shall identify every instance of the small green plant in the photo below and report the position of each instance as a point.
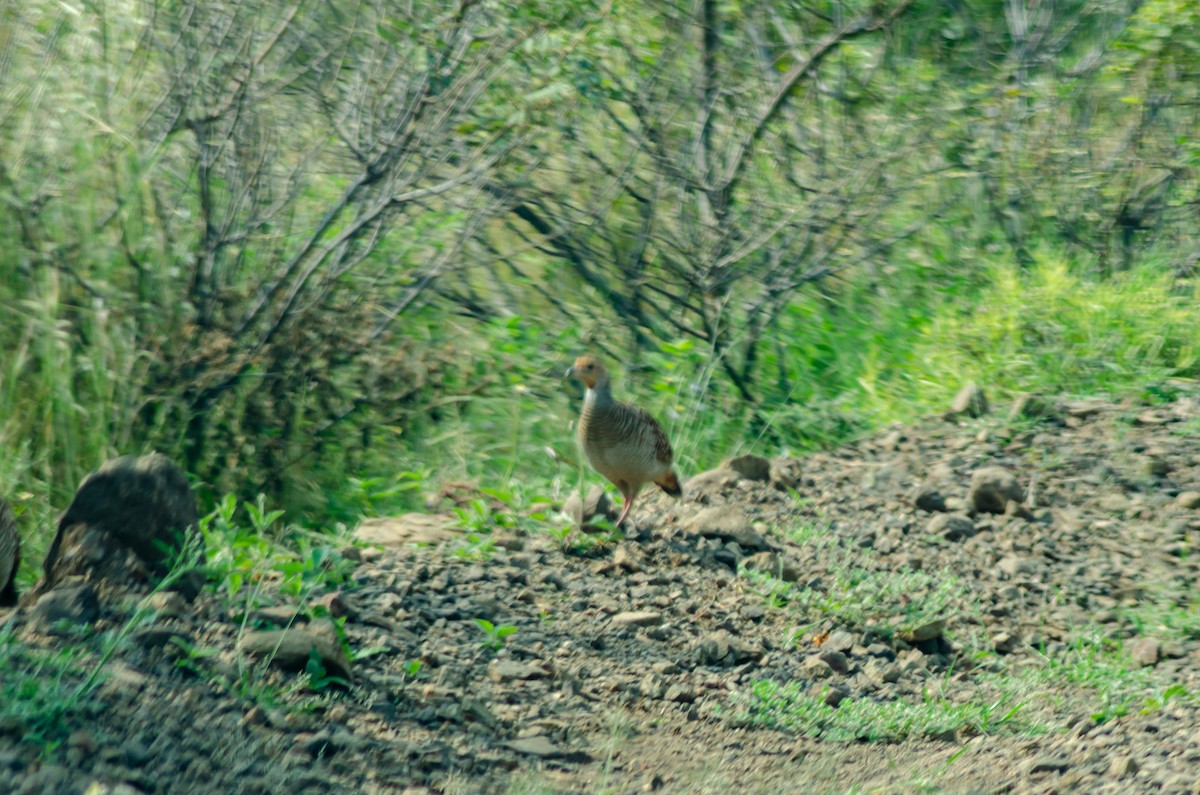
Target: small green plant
(319, 679)
(191, 656)
(242, 557)
(775, 592)
(561, 534)
(476, 547)
(494, 636)
(1158, 700)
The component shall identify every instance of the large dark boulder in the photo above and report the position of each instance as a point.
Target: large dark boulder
(127, 522)
(10, 556)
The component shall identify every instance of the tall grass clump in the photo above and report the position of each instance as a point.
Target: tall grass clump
(868, 353)
(1049, 328)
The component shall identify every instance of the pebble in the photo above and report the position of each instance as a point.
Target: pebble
(1188, 499)
(645, 618)
(1122, 765)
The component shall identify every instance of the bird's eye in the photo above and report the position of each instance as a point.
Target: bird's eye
(589, 367)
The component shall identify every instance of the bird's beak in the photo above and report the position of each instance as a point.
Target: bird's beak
(570, 372)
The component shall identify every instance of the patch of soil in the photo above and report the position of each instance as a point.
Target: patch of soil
(632, 664)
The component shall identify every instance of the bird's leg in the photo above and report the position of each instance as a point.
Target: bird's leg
(628, 494)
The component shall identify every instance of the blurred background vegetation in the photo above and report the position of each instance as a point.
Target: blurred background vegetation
(340, 254)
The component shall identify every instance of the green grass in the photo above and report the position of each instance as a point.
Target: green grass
(854, 590)
(1094, 676)
(41, 688)
(792, 707)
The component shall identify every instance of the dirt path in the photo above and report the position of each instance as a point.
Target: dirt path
(845, 622)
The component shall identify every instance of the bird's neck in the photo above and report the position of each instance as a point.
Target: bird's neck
(598, 396)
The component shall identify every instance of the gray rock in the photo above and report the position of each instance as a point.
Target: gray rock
(833, 696)
(728, 523)
(1049, 764)
(749, 467)
(928, 498)
(1122, 766)
(1114, 503)
(168, 604)
(405, 529)
(952, 526)
(836, 661)
(839, 641)
(927, 631)
(816, 668)
(1145, 652)
(722, 648)
(597, 503)
(290, 650)
(881, 650)
(541, 747)
(970, 401)
(637, 618)
(71, 605)
(1188, 499)
(680, 694)
(1014, 565)
(1156, 465)
(135, 752)
(624, 557)
(991, 489)
(891, 477)
(711, 482)
(774, 565)
(890, 674)
(957, 505)
(513, 670)
(127, 520)
(1005, 642)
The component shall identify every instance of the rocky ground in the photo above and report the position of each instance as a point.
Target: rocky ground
(1004, 603)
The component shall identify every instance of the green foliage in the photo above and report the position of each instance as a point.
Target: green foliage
(852, 590)
(1093, 673)
(791, 708)
(494, 635)
(1098, 673)
(242, 558)
(379, 496)
(40, 688)
(319, 680)
(886, 601)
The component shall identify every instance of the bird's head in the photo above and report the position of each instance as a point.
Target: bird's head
(588, 371)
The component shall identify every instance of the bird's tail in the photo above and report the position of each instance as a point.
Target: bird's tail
(670, 484)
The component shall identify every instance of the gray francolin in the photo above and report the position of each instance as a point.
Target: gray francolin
(621, 441)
